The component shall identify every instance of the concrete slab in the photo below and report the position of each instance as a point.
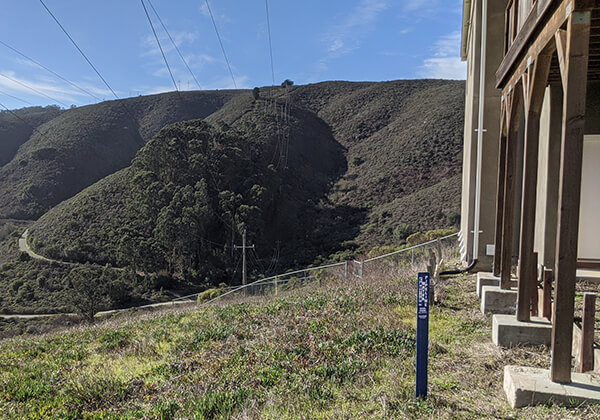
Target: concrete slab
(495, 300)
(525, 386)
(486, 279)
(508, 332)
(588, 275)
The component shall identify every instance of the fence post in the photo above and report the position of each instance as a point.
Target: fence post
(361, 269)
(346, 270)
(412, 256)
(276, 281)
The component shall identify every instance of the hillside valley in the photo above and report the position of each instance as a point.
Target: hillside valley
(162, 186)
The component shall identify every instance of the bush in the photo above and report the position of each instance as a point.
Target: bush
(209, 294)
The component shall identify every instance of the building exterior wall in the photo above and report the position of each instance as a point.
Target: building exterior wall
(491, 125)
(547, 188)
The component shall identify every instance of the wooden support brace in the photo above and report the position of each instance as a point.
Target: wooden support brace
(535, 80)
(500, 186)
(573, 128)
(508, 211)
(547, 294)
(586, 352)
(534, 286)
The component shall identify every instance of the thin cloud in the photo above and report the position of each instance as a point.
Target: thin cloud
(445, 63)
(347, 36)
(47, 86)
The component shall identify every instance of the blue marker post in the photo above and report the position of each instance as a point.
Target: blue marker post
(422, 335)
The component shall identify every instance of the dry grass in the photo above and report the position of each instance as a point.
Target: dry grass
(342, 350)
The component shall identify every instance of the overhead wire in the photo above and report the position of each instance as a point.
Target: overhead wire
(270, 43)
(175, 45)
(159, 45)
(79, 49)
(212, 18)
(34, 129)
(50, 70)
(14, 97)
(34, 90)
(125, 107)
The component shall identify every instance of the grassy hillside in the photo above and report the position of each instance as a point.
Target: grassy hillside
(83, 145)
(348, 167)
(17, 126)
(341, 351)
(238, 159)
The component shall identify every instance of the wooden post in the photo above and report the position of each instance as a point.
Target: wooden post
(586, 352)
(534, 85)
(508, 212)
(500, 191)
(534, 286)
(547, 294)
(574, 63)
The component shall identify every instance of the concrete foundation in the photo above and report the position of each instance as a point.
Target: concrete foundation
(486, 279)
(526, 386)
(498, 301)
(508, 332)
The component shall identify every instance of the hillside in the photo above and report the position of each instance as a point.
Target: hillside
(348, 167)
(340, 351)
(83, 145)
(17, 126)
(231, 182)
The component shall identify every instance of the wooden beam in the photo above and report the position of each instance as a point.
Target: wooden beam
(573, 128)
(527, 31)
(536, 81)
(500, 189)
(561, 52)
(534, 286)
(547, 294)
(586, 351)
(508, 210)
(515, 62)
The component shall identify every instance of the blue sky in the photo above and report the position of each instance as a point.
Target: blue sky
(313, 40)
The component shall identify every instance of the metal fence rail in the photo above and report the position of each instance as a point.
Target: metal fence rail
(272, 285)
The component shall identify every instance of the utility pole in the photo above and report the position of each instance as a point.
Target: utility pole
(243, 248)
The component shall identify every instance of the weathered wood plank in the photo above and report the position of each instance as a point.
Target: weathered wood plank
(573, 128)
(537, 80)
(586, 351)
(508, 211)
(547, 294)
(500, 190)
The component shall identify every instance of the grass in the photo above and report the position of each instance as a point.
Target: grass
(336, 351)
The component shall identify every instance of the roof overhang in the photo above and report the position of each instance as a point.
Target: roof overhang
(466, 23)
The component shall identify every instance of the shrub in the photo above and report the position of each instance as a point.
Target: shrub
(209, 294)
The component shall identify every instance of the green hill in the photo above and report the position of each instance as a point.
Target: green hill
(347, 167)
(17, 126)
(83, 145)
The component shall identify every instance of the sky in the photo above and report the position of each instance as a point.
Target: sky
(312, 41)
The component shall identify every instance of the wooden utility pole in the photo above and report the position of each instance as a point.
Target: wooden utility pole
(243, 248)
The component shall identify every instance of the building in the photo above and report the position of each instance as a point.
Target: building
(532, 149)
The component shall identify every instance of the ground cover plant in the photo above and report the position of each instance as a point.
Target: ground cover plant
(341, 350)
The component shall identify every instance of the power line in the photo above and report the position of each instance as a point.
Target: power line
(270, 44)
(24, 121)
(51, 71)
(121, 103)
(159, 46)
(174, 44)
(79, 49)
(14, 97)
(33, 89)
(220, 42)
